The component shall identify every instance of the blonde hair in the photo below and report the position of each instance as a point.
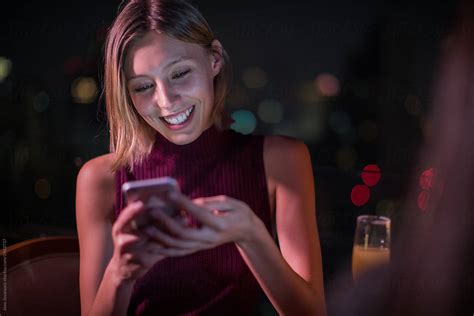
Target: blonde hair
(131, 138)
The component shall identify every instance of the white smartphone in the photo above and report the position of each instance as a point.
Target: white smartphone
(153, 193)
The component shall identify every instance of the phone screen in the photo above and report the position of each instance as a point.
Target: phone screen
(153, 193)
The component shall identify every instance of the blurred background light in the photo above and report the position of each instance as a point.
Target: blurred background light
(254, 78)
(84, 90)
(270, 111)
(360, 194)
(5, 68)
(327, 85)
(244, 122)
(307, 93)
(422, 200)
(41, 102)
(427, 179)
(371, 175)
(346, 157)
(310, 128)
(78, 161)
(340, 122)
(42, 189)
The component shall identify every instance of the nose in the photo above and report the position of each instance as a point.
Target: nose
(166, 96)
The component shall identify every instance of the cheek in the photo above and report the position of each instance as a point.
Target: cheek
(140, 105)
(200, 86)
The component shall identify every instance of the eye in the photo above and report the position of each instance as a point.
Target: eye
(180, 74)
(143, 88)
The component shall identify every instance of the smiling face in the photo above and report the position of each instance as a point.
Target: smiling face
(171, 84)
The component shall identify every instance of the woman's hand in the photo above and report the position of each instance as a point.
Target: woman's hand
(223, 220)
(134, 252)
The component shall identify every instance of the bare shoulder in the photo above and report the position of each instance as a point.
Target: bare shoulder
(284, 155)
(96, 183)
(98, 171)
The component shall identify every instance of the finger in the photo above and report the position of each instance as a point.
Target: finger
(201, 213)
(173, 252)
(126, 216)
(169, 241)
(175, 228)
(128, 242)
(220, 203)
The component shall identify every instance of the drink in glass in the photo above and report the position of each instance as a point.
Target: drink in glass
(371, 244)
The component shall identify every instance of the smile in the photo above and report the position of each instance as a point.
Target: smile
(179, 118)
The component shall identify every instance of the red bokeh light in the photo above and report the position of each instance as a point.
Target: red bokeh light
(422, 200)
(328, 85)
(371, 175)
(360, 194)
(427, 179)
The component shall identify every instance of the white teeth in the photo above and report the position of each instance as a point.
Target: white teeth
(179, 119)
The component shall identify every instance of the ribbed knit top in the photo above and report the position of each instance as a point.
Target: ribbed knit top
(215, 281)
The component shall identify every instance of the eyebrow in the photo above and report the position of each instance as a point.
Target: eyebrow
(171, 63)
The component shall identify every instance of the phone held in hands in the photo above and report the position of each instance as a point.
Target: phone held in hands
(153, 193)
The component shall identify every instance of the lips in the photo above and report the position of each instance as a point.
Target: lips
(179, 118)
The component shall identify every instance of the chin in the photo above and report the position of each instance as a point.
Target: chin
(179, 138)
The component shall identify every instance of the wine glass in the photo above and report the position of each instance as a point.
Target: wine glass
(371, 244)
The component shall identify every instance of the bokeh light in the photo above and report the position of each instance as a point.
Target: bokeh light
(307, 93)
(367, 131)
(310, 127)
(360, 194)
(254, 78)
(270, 111)
(78, 161)
(42, 189)
(340, 122)
(5, 68)
(244, 122)
(327, 85)
(84, 90)
(427, 179)
(41, 102)
(422, 200)
(371, 175)
(346, 157)
(413, 105)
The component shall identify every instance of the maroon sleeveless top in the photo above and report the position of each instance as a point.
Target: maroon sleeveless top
(215, 281)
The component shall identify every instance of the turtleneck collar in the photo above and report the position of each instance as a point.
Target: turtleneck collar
(210, 142)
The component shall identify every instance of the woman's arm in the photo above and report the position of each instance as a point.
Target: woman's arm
(94, 210)
(292, 278)
(111, 257)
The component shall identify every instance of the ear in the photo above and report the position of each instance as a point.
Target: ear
(217, 60)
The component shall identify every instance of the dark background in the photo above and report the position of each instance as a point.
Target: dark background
(383, 54)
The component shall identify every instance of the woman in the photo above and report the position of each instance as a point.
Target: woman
(166, 78)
